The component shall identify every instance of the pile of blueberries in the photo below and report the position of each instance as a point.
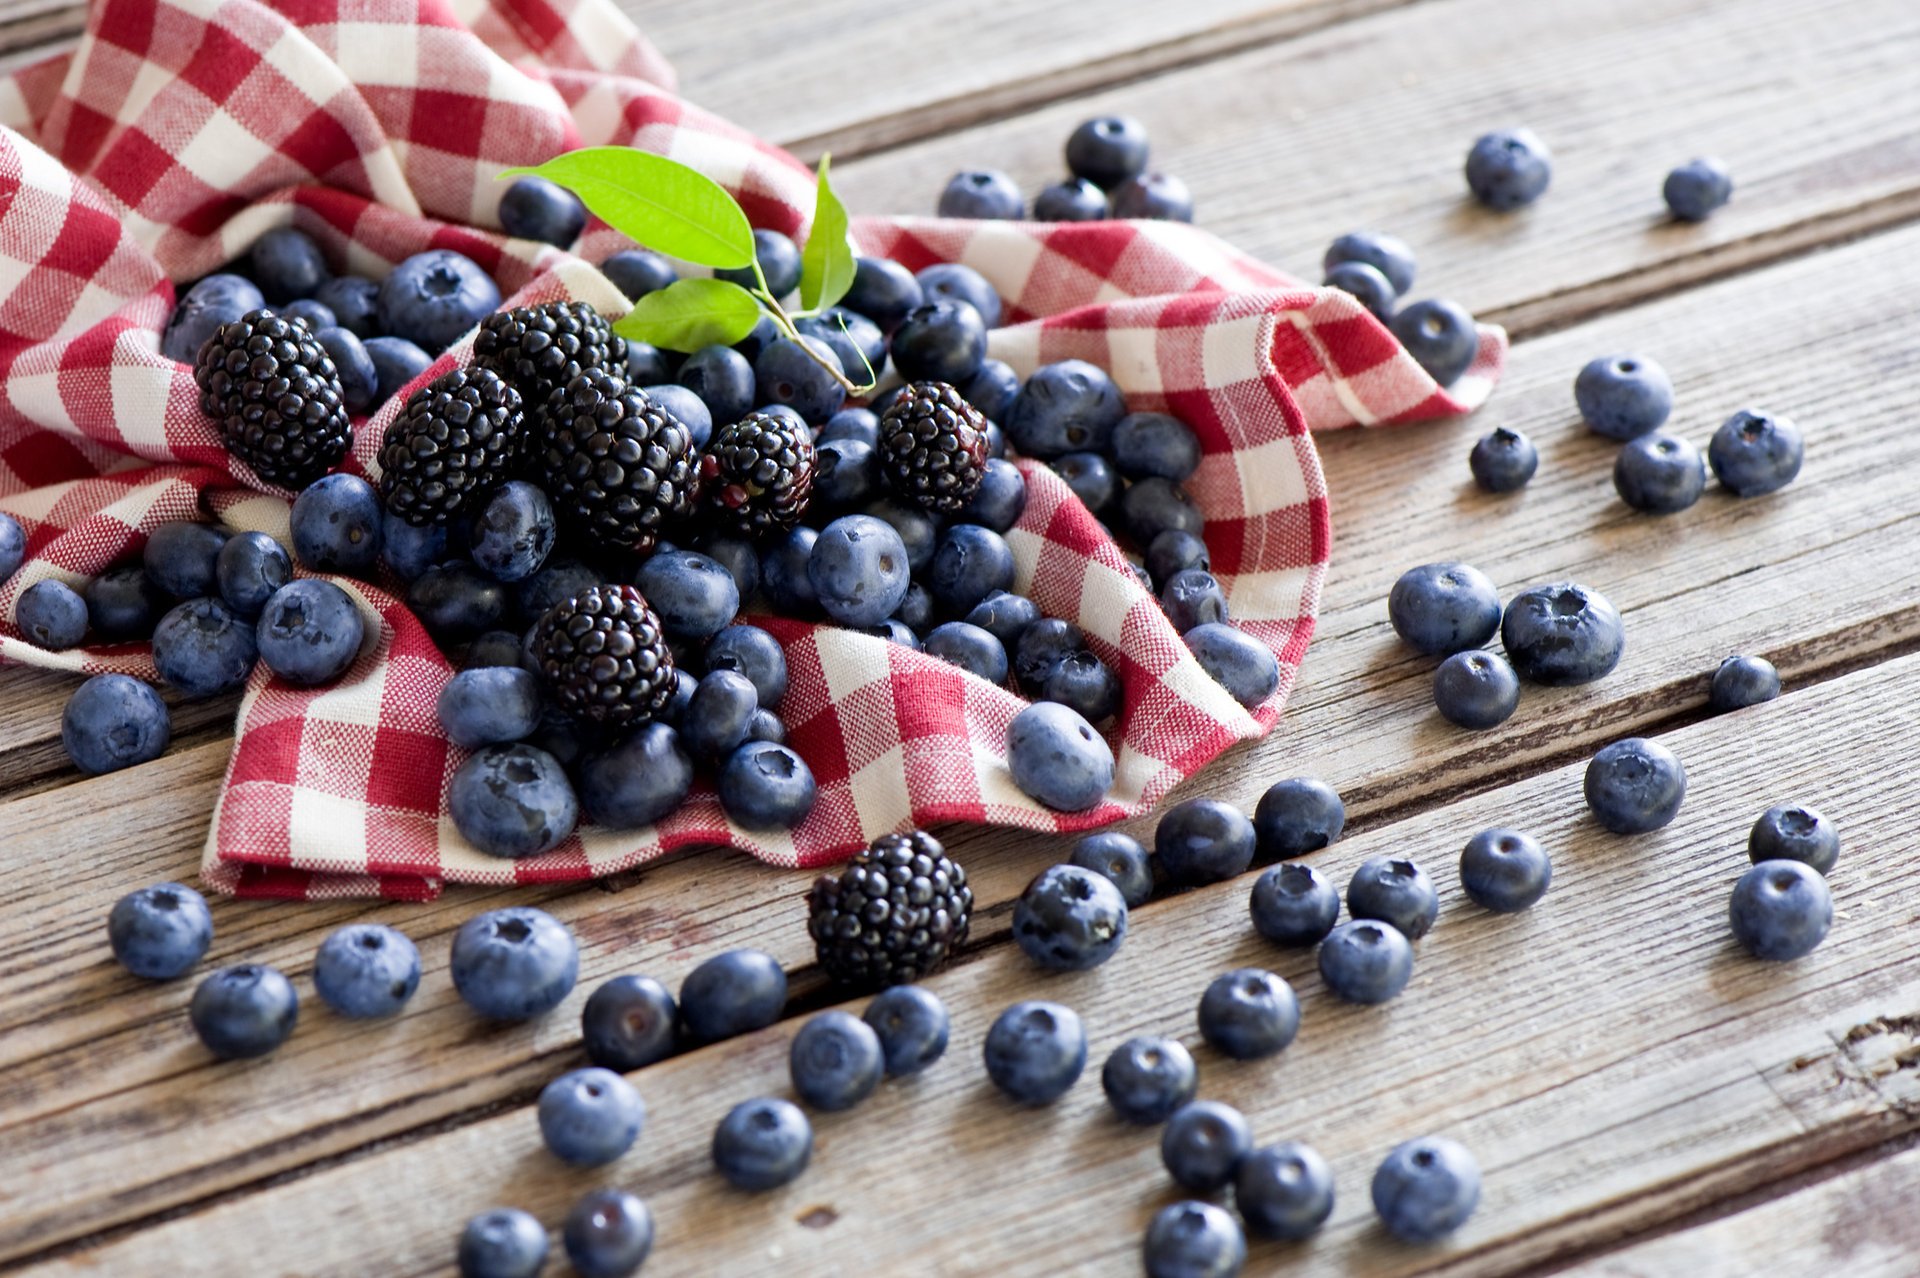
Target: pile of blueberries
(1107, 178)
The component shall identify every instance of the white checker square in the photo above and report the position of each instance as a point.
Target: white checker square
(1133, 358)
(378, 53)
(223, 152)
(326, 830)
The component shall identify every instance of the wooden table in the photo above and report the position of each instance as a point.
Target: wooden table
(1644, 1099)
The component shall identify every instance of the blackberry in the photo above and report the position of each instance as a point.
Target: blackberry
(758, 474)
(894, 914)
(618, 465)
(275, 394)
(604, 657)
(933, 444)
(458, 438)
(539, 349)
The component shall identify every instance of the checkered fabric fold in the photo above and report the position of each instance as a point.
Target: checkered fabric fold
(176, 133)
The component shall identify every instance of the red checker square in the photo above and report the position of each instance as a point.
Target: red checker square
(1294, 358)
(254, 822)
(320, 143)
(449, 122)
(820, 741)
(867, 722)
(1227, 545)
(929, 697)
(831, 830)
(221, 63)
(1355, 345)
(399, 841)
(406, 770)
(267, 753)
(42, 458)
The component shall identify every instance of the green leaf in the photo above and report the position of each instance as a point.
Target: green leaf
(661, 203)
(690, 314)
(826, 267)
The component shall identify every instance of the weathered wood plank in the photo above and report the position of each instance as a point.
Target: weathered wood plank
(1609, 1056)
(1820, 576)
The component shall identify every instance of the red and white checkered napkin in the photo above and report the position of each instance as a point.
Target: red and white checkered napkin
(176, 133)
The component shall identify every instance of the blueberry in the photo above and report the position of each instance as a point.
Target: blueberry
(514, 964)
(783, 573)
(287, 264)
(1091, 477)
(762, 1144)
(1147, 1079)
(1695, 189)
(1635, 785)
(716, 720)
(883, 291)
(1365, 961)
(1072, 200)
(1007, 616)
(764, 330)
(536, 209)
(123, 603)
(1035, 1051)
(1203, 1145)
(649, 366)
(628, 1023)
(1440, 336)
(982, 193)
(1755, 453)
(1393, 891)
(1070, 919)
(993, 389)
(51, 615)
(494, 648)
(354, 301)
(1057, 758)
(965, 645)
(159, 933)
(1294, 904)
(638, 272)
(723, 379)
(1297, 816)
(1159, 196)
(1743, 681)
(971, 563)
(311, 313)
(1204, 841)
(1154, 445)
(779, 260)
(202, 649)
(754, 653)
(1071, 406)
(896, 631)
(1193, 1240)
(858, 568)
(1504, 870)
(855, 339)
(732, 993)
(1153, 506)
(942, 341)
(607, 1234)
(590, 1117)
(359, 380)
(1426, 1189)
(492, 705)
(639, 780)
(13, 545)
(456, 601)
(1475, 689)
(1367, 286)
(1508, 169)
(337, 525)
(1387, 254)
(1249, 1013)
(396, 362)
(512, 801)
(432, 298)
(1173, 554)
(953, 282)
(1562, 634)
(1794, 833)
(916, 610)
(181, 558)
(1000, 499)
(1238, 662)
(912, 1026)
(1042, 645)
(855, 425)
(114, 721)
(788, 374)
(1192, 597)
(1085, 684)
(502, 1243)
(1284, 1191)
(1659, 474)
(918, 530)
(215, 300)
(310, 632)
(1107, 150)
(766, 786)
(366, 969)
(513, 532)
(1623, 396)
(694, 595)
(835, 1061)
(244, 1011)
(1503, 460)
(1120, 859)
(1781, 910)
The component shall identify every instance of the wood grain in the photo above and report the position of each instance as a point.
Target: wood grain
(1818, 577)
(1610, 1057)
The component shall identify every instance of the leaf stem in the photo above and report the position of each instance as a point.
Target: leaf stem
(830, 362)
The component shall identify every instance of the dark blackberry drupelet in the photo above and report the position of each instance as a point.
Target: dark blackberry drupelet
(458, 438)
(604, 657)
(618, 466)
(539, 349)
(933, 444)
(275, 395)
(895, 913)
(758, 474)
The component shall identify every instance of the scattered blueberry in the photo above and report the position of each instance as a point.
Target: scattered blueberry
(1238, 662)
(287, 264)
(536, 209)
(249, 569)
(694, 596)
(732, 993)
(1070, 406)
(1085, 684)
(1035, 1051)
(939, 341)
(1284, 1191)
(1366, 961)
(1120, 858)
(366, 969)
(628, 1023)
(1091, 477)
(860, 425)
(1695, 189)
(1006, 617)
(855, 339)
(1194, 1240)
(159, 933)
(1203, 1145)
(512, 801)
(1562, 634)
(1001, 498)
(1070, 919)
(202, 649)
(1204, 840)
(835, 1061)
(1444, 607)
(912, 1024)
(123, 603)
(638, 272)
(1743, 681)
(1072, 200)
(1154, 505)
(1294, 904)
(1476, 689)
(1440, 335)
(791, 372)
(1297, 816)
(337, 525)
(1635, 785)
(716, 719)
(502, 1243)
(641, 779)
(311, 313)
(608, 1234)
(513, 532)
(310, 632)
(1503, 460)
(684, 406)
(215, 300)
(1659, 474)
(354, 301)
(754, 653)
(514, 964)
(846, 472)
(1508, 169)
(1147, 1079)
(858, 568)
(883, 290)
(1755, 453)
(1504, 870)
(1426, 1189)
(738, 557)
(779, 260)
(1107, 150)
(590, 1117)
(762, 1144)
(51, 615)
(1367, 285)
(1158, 196)
(1057, 758)
(1794, 833)
(1623, 396)
(433, 297)
(244, 1011)
(490, 705)
(1192, 597)
(783, 573)
(1249, 1013)
(969, 564)
(918, 530)
(181, 557)
(396, 362)
(1388, 254)
(971, 648)
(114, 721)
(456, 601)
(1154, 445)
